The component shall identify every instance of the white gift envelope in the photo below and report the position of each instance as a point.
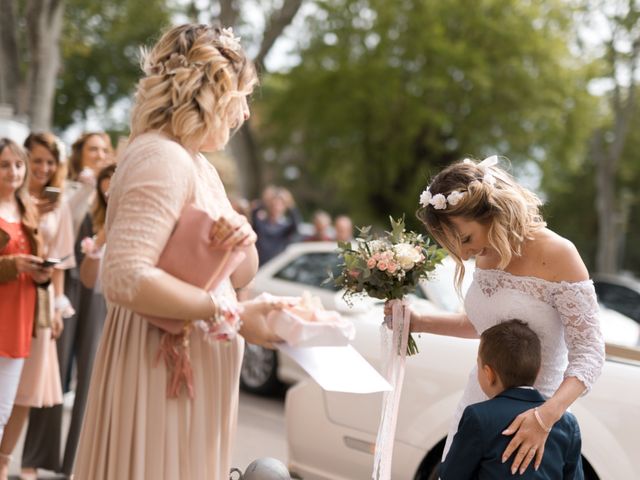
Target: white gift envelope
(338, 369)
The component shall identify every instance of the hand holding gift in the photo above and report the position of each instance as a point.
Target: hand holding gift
(305, 323)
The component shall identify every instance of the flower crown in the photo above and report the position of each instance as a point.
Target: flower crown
(226, 42)
(439, 201)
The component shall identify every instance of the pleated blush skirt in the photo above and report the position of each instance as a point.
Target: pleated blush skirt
(131, 429)
(40, 384)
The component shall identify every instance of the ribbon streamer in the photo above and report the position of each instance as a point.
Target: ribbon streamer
(394, 352)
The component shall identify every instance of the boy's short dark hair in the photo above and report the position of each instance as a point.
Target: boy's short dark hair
(513, 350)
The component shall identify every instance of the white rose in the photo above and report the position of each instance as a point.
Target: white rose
(454, 198)
(439, 202)
(425, 198)
(406, 255)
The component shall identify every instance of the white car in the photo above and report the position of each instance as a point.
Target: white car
(305, 267)
(331, 436)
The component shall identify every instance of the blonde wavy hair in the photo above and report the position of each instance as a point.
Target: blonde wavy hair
(511, 211)
(195, 78)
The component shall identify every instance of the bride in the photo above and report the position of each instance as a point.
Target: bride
(525, 271)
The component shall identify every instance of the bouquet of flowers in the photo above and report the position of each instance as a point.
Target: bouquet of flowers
(387, 267)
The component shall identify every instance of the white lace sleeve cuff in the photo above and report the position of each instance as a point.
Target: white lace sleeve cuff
(578, 308)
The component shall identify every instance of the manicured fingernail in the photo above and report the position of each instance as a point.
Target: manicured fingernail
(505, 432)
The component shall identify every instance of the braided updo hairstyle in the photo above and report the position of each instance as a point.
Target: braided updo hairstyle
(489, 196)
(195, 79)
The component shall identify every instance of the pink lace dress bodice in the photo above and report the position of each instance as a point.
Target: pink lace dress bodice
(564, 315)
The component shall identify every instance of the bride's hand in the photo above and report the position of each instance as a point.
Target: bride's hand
(388, 313)
(232, 231)
(254, 327)
(529, 441)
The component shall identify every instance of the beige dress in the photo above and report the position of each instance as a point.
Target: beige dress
(40, 379)
(131, 429)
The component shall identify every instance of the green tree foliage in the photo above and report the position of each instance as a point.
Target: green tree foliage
(571, 195)
(100, 51)
(387, 93)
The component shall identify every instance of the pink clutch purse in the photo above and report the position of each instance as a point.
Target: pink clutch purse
(192, 257)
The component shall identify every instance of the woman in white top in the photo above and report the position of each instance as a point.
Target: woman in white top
(524, 271)
(193, 93)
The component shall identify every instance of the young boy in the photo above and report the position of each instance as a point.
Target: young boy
(508, 364)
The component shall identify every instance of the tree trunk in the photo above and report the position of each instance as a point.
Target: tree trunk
(9, 63)
(244, 145)
(610, 216)
(228, 13)
(245, 151)
(44, 26)
(606, 205)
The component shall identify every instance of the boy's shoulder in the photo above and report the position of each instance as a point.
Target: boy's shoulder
(509, 404)
(506, 403)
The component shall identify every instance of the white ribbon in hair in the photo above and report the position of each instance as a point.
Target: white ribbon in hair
(489, 161)
(486, 164)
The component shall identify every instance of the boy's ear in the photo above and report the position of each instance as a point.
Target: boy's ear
(490, 374)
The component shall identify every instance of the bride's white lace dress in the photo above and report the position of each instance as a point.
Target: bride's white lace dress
(564, 315)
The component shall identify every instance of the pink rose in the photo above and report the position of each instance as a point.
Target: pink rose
(371, 262)
(354, 273)
(382, 265)
(392, 268)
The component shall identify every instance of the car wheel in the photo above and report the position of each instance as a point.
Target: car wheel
(259, 372)
(430, 467)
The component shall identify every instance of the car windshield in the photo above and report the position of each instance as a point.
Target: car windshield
(619, 298)
(312, 269)
(440, 288)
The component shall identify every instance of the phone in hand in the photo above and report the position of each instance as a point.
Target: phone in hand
(50, 262)
(51, 193)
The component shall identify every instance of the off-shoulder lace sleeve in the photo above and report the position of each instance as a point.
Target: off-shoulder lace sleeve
(153, 182)
(578, 308)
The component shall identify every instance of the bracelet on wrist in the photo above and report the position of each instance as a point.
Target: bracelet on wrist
(214, 317)
(536, 414)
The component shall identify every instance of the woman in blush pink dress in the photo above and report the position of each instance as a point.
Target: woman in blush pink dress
(193, 93)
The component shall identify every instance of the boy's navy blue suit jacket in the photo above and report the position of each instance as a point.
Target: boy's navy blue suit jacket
(476, 451)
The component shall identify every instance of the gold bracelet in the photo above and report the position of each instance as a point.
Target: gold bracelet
(539, 419)
(216, 308)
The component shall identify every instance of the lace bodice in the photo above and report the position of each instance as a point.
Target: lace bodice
(564, 315)
(155, 179)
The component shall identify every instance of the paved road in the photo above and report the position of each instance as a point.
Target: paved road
(261, 430)
(261, 433)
